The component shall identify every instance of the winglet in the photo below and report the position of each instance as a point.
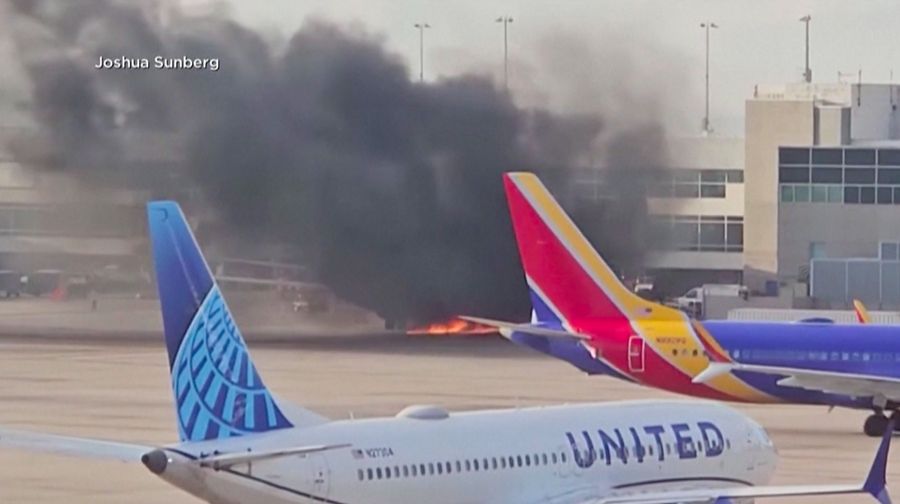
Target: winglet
(862, 314)
(876, 481)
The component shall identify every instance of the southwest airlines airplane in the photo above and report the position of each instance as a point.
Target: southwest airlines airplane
(239, 444)
(583, 314)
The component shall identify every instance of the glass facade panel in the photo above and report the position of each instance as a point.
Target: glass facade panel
(889, 175)
(793, 174)
(687, 191)
(689, 183)
(686, 234)
(734, 237)
(867, 195)
(735, 176)
(828, 156)
(819, 194)
(860, 157)
(827, 175)
(888, 157)
(712, 236)
(787, 193)
(835, 194)
(713, 176)
(709, 233)
(858, 176)
(889, 251)
(792, 155)
(840, 175)
(712, 191)
(685, 176)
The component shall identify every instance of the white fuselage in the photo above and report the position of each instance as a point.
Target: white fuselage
(524, 455)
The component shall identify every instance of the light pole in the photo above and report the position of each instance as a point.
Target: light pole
(807, 73)
(505, 20)
(421, 27)
(707, 129)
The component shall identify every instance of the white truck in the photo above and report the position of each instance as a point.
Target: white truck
(694, 300)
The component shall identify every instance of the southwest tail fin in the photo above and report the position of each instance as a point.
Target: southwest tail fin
(567, 279)
(862, 314)
(218, 392)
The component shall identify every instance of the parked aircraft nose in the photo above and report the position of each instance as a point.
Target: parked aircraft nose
(156, 461)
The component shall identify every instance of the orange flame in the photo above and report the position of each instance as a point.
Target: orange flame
(453, 326)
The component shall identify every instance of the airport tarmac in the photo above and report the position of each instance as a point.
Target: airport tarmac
(119, 390)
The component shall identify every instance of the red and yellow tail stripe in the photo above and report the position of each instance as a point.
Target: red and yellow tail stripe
(862, 314)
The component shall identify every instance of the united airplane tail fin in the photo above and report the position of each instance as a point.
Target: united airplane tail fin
(218, 392)
(567, 279)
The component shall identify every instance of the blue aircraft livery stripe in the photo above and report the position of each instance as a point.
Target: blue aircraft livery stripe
(542, 311)
(182, 276)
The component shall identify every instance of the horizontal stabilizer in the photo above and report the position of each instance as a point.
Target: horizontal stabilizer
(72, 446)
(834, 382)
(227, 460)
(506, 328)
(732, 494)
(713, 370)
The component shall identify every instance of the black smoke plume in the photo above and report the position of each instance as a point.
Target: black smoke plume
(390, 189)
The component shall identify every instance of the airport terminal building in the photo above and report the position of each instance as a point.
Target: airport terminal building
(807, 203)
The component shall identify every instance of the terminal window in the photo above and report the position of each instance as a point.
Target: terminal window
(701, 233)
(889, 251)
(848, 175)
(696, 183)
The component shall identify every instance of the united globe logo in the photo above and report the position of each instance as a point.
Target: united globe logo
(217, 390)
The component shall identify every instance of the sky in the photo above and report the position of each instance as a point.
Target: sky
(638, 56)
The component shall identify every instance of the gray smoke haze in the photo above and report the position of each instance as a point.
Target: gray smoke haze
(390, 189)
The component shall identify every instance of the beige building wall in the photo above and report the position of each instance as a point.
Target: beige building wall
(876, 111)
(705, 152)
(832, 126)
(768, 125)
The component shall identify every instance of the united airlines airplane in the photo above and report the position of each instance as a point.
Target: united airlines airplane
(239, 444)
(584, 315)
